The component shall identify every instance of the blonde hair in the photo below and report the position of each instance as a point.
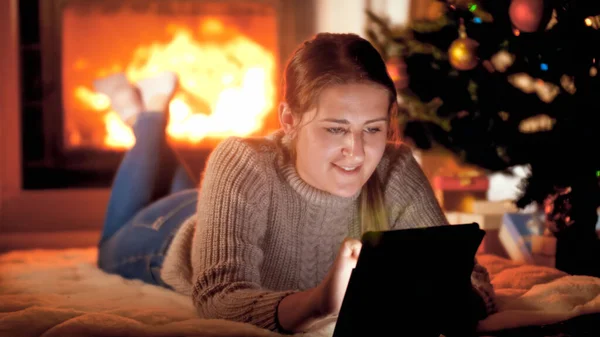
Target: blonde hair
(329, 59)
(373, 213)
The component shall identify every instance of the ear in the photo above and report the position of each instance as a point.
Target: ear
(286, 119)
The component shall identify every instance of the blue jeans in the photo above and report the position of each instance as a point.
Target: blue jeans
(151, 196)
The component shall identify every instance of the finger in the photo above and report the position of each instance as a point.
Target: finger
(351, 248)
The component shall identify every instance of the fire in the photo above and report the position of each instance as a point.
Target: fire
(226, 85)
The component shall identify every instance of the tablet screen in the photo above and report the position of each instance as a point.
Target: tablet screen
(405, 278)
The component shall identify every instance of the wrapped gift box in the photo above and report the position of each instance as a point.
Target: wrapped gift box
(490, 223)
(460, 183)
(488, 214)
(523, 238)
(457, 193)
(494, 207)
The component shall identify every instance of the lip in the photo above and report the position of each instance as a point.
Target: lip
(350, 173)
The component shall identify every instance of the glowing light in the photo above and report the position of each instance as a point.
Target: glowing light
(226, 85)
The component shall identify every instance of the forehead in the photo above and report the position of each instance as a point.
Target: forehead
(356, 101)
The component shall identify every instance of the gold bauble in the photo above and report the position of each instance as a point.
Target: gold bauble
(463, 53)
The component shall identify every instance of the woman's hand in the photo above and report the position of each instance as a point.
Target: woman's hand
(330, 292)
(302, 310)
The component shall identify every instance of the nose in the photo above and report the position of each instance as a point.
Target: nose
(354, 147)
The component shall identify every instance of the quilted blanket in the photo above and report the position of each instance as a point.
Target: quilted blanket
(62, 293)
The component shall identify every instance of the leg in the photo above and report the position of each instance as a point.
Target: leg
(137, 250)
(143, 175)
(182, 180)
(147, 168)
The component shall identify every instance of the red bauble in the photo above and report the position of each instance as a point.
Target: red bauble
(526, 15)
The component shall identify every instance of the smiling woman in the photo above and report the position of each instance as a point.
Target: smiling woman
(340, 141)
(273, 237)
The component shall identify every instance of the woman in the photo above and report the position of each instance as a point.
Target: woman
(274, 234)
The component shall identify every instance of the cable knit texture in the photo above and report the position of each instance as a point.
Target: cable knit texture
(262, 233)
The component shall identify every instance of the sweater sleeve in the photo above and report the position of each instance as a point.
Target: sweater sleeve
(231, 222)
(413, 204)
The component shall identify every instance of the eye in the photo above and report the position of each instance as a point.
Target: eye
(336, 130)
(372, 130)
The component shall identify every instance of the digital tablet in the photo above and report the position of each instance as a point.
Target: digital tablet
(410, 282)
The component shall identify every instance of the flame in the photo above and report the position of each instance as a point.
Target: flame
(225, 86)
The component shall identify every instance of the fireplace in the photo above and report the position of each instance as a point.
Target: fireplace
(228, 55)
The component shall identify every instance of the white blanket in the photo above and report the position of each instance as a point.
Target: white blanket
(62, 293)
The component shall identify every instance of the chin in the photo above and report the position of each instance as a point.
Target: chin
(344, 192)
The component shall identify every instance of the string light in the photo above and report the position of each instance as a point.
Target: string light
(516, 32)
(592, 21)
(544, 66)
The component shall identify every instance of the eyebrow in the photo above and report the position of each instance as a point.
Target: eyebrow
(345, 121)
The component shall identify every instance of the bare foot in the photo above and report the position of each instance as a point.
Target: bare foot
(125, 99)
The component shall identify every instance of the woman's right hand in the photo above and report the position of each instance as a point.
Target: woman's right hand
(330, 292)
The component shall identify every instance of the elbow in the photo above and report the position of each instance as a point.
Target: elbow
(218, 305)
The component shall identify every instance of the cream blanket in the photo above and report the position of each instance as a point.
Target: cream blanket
(62, 293)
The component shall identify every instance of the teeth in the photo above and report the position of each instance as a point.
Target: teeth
(348, 168)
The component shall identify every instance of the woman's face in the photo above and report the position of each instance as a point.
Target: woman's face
(341, 141)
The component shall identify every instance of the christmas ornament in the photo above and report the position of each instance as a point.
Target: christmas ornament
(568, 83)
(593, 21)
(546, 91)
(526, 15)
(538, 123)
(397, 70)
(463, 51)
(502, 60)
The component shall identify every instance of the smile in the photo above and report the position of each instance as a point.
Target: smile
(348, 169)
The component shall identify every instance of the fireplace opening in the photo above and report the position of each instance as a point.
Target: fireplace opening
(227, 55)
(223, 53)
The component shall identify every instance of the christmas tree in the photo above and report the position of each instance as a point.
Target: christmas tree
(503, 83)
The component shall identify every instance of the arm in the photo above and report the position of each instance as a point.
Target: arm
(414, 204)
(231, 223)
(299, 311)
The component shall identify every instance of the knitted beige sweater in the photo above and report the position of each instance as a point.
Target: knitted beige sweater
(261, 233)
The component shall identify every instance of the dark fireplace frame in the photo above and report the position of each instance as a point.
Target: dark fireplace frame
(46, 162)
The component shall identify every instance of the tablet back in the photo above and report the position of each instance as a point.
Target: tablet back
(410, 282)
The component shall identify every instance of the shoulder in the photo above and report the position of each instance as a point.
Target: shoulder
(401, 174)
(407, 191)
(238, 157)
(239, 149)
(396, 162)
